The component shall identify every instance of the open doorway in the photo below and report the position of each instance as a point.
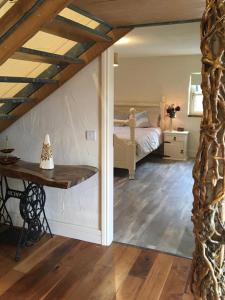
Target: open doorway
(157, 87)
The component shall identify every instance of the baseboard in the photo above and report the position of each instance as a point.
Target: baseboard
(83, 233)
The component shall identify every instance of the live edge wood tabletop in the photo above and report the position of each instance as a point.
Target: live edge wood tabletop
(32, 198)
(62, 176)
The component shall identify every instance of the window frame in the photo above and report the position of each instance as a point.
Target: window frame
(191, 111)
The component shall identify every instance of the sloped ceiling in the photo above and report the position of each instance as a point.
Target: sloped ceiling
(133, 12)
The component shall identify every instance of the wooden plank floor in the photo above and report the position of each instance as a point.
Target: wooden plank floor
(63, 268)
(154, 210)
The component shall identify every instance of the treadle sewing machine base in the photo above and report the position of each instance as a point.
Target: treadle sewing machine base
(32, 210)
(9, 237)
(32, 197)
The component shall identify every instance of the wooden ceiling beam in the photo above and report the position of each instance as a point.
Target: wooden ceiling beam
(13, 15)
(64, 75)
(44, 57)
(74, 31)
(28, 25)
(12, 79)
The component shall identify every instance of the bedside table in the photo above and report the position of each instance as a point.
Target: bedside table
(175, 144)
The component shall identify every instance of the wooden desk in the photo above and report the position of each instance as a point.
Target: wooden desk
(32, 197)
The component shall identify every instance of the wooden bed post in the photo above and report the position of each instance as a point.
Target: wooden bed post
(209, 171)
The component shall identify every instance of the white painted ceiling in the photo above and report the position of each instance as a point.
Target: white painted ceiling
(164, 40)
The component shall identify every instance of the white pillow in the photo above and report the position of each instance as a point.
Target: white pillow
(142, 119)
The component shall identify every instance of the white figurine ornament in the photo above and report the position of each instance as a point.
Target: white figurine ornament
(47, 162)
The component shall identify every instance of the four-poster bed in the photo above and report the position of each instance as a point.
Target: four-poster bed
(132, 143)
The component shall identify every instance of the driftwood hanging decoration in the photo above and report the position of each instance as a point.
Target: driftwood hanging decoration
(209, 170)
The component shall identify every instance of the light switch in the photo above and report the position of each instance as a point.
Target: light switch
(91, 135)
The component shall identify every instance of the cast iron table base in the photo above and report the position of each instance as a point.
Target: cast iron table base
(32, 210)
(32, 197)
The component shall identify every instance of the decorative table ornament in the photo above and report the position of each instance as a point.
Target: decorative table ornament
(47, 162)
(6, 158)
(171, 112)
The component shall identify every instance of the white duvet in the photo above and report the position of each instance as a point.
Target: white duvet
(147, 139)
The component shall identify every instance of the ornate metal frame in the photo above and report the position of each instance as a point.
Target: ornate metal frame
(209, 171)
(32, 210)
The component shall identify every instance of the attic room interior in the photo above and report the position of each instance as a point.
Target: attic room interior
(112, 149)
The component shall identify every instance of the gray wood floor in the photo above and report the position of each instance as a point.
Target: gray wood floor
(154, 211)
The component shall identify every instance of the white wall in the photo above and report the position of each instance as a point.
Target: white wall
(148, 79)
(66, 115)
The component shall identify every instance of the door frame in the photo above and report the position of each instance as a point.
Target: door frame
(107, 107)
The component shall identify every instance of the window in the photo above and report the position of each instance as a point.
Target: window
(195, 96)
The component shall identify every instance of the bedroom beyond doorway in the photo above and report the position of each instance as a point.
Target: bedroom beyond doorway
(158, 68)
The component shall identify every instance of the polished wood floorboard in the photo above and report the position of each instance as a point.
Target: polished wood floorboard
(63, 268)
(154, 210)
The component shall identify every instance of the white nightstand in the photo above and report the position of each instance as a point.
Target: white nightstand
(175, 144)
